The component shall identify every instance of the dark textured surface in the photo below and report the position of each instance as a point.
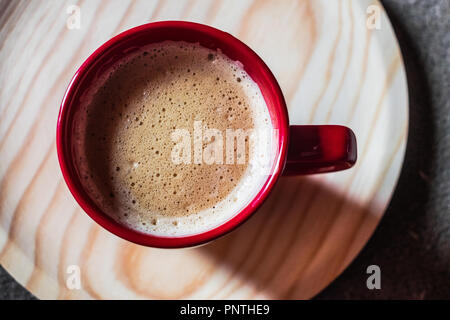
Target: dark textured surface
(412, 243)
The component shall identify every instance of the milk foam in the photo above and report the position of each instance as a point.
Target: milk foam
(255, 175)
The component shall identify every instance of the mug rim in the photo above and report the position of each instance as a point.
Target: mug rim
(151, 240)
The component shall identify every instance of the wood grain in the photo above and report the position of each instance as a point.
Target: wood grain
(332, 69)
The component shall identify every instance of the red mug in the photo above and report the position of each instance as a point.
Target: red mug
(300, 149)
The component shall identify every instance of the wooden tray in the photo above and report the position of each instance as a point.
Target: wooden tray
(332, 69)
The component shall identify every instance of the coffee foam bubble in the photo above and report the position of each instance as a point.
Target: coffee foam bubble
(142, 81)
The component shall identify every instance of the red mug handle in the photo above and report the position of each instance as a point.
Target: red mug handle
(318, 149)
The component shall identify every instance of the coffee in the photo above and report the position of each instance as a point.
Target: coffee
(153, 149)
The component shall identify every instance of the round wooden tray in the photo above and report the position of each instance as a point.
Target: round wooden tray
(333, 67)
